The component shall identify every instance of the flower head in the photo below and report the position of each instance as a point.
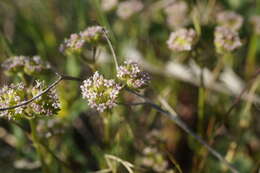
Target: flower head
(23, 64)
(46, 105)
(128, 8)
(230, 20)
(101, 93)
(72, 45)
(177, 14)
(182, 40)
(91, 35)
(131, 75)
(11, 96)
(226, 40)
(108, 5)
(255, 21)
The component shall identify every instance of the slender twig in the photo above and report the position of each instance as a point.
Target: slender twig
(173, 116)
(60, 78)
(111, 48)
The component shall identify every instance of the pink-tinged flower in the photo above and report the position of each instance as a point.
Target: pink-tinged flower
(127, 9)
(226, 40)
(131, 75)
(101, 93)
(46, 105)
(182, 40)
(230, 20)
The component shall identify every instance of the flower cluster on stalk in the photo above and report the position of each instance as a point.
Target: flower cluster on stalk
(90, 36)
(226, 40)
(182, 40)
(230, 20)
(44, 106)
(101, 93)
(131, 75)
(24, 64)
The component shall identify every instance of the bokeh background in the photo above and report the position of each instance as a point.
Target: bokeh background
(139, 134)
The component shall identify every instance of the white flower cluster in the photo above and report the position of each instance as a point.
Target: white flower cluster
(127, 9)
(46, 105)
(75, 43)
(182, 40)
(230, 20)
(131, 75)
(101, 93)
(11, 96)
(226, 40)
(23, 64)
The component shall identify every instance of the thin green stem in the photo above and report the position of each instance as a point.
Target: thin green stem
(111, 49)
(37, 145)
(251, 56)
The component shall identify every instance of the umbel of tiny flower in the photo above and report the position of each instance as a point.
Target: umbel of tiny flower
(182, 40)
(89, 37)
(11, 96)
(230, 20)
(26, 65)
(45, 106)
(131, 75)
(226, 40)
(101, 93)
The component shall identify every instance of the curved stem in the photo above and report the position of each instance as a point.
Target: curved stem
(173, 116)
(111, 48)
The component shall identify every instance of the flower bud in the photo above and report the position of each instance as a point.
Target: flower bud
(226, 40)
(101, 93)
(131, 75)
(182, 40)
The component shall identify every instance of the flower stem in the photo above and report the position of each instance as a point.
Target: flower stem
(37, 145)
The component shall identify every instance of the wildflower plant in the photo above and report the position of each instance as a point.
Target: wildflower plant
(182, 40)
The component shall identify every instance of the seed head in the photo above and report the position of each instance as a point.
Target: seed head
(101, 93)
(72, 45)
(93, 34)
(226, 40)
(182, 40)
(127, 9)
(131, 75)
(230, 20)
